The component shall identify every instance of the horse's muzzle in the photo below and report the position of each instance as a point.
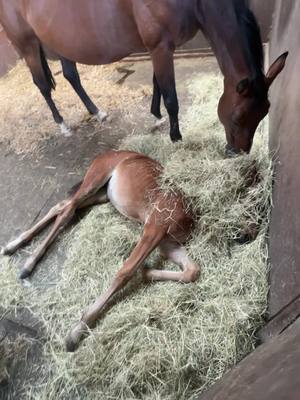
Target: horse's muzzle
(231, 152)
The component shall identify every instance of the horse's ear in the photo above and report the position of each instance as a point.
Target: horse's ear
(276, 68)
(243, 87)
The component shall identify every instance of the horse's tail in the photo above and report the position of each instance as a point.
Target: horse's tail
(46, 68)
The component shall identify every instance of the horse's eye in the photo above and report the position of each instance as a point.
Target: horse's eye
(238, 118)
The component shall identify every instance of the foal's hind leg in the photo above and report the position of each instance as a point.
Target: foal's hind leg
(63, 218)
(99, 198)
(177, 254)
(163, 64)
(71, 74)
(152, 236)
(28, 235)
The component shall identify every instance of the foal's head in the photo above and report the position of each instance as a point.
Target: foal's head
(242, 106)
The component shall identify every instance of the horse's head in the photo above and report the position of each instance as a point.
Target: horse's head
(243, 106)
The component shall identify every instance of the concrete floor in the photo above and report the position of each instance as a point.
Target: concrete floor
(30, 184)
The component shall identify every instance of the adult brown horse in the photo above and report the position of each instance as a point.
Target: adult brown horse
(103, 31)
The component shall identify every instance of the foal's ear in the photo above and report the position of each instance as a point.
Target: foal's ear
(243, 87)
(276, 68)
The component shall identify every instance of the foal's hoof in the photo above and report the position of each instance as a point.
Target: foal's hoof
(75, 337)
(4, 251)
(25, 273)
(9, 249)
(28, 267)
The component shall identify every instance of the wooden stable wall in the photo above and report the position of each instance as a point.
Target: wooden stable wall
(272, 371)
(285, 143)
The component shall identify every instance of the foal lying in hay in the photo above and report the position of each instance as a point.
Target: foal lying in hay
(162, 341)
(130, 181)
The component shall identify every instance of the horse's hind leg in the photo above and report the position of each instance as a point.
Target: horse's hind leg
(71, 74)
(163, 64)
(42, 77)
(155, 105)
(177, 254)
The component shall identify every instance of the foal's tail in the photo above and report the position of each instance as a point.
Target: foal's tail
(46, 68)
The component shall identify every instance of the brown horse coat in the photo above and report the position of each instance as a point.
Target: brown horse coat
(103, 31)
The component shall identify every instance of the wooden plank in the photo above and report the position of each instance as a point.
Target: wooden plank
(271, 372)
(281, 320)
(284, 242)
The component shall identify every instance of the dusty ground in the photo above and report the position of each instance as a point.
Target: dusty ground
(31, 182)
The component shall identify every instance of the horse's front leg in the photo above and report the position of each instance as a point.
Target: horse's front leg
(163, 64)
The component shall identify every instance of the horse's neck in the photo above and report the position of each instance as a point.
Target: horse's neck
(220, 25)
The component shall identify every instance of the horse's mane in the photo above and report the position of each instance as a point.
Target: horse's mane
(252, 39)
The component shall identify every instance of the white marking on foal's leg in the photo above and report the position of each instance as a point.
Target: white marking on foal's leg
(101, 115)
(65, 130)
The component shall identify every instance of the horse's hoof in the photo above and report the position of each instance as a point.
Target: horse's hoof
(75, 337)
(176, 138)
(101, 116)
(65, 130)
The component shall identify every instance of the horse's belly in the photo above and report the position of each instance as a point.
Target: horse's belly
(93, 32)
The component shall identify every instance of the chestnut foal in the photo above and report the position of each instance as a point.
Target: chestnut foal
(130, 181)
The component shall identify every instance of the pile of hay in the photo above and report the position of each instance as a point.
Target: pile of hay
(26, 119)
(163, 341)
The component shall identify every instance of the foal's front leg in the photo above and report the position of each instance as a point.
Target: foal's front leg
(177, 254)
(152, 236)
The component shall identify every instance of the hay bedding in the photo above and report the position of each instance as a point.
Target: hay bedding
(163, 341)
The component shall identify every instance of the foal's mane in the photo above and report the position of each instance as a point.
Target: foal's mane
(250, 33)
